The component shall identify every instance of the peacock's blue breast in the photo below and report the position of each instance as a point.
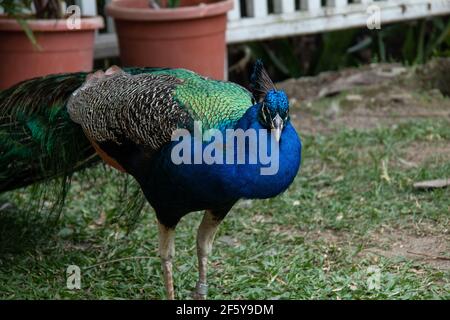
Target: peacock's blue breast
(205, 184)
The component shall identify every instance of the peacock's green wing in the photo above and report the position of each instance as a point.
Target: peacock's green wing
(217, 104)
(145, 106)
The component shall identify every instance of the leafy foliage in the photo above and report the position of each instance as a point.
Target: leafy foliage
(411, 43)
(44, 9)
(166, 3)
(22, 10)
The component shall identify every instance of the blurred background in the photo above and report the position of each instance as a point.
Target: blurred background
(294, 37)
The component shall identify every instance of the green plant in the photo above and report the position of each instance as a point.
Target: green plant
(44, 9)
(411, 43)
(22, 10)
(164, 3)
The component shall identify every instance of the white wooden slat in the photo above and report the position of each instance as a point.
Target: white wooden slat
(110, 28)
(63, 7)
(225, 67)
(88, 7)
(257, 8)
(275, 26)
(106, 46)
(284, 6)
(312, 18)
(337, 3)
(312, 6)
(235, 14)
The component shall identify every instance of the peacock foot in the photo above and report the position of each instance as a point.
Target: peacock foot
(201, 291)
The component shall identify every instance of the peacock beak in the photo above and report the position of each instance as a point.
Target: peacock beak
(277, 127)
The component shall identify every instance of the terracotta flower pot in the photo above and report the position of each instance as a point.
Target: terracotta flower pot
(61, 49)
(191, 36)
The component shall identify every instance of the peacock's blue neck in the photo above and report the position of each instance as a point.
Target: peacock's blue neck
(226, 182)
(257, 185)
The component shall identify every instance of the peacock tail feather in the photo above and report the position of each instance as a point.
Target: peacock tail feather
(38, 140)
(39, 145)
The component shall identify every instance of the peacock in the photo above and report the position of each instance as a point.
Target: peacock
(53, 126)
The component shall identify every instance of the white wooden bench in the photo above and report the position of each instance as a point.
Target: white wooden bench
(293, 17)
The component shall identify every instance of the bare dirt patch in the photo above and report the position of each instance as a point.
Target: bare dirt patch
(330, 83)
(409, 243)
(364, 98)
(418, 153)
(401, 244)
(327, 235)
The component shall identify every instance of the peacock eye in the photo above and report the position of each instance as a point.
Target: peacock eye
(287, 116)
(265, 109)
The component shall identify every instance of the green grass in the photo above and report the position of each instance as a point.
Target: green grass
(311, 242)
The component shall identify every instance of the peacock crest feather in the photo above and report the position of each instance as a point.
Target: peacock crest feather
(260, 82)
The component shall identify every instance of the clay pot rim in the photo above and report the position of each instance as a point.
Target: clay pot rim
(117, 10)
(50, 25)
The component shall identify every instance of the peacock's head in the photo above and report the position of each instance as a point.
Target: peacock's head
(274, 104)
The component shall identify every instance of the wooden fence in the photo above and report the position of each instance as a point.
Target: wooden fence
(252, 20)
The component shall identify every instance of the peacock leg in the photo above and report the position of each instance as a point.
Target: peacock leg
(166, 252)
(205, 238)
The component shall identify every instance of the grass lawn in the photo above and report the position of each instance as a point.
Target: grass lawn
(352, 208)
